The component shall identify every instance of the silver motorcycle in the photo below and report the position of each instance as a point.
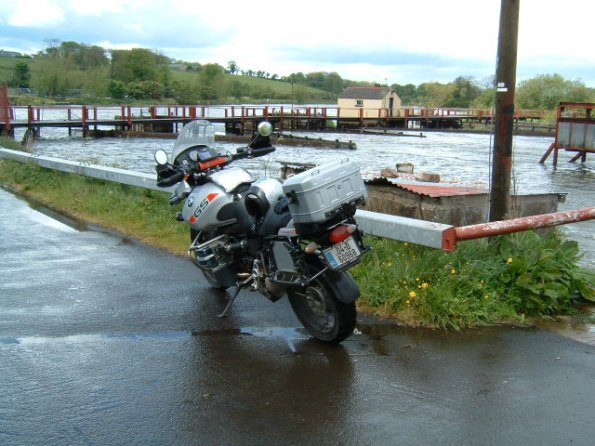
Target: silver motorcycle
(297, 238)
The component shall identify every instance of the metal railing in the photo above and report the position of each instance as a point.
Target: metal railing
(404, 229)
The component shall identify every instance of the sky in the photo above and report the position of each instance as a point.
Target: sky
(393, 41)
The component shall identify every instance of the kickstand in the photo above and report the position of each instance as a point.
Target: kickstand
(240, 287)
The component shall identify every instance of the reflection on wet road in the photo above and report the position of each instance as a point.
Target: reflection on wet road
(105, 341)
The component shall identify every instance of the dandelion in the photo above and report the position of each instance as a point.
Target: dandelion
(407, 302)
(453, 271)
(509, 260)
(417, 279)
(425, 285)
(412, 294)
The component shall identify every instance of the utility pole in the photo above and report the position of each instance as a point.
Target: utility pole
(504, 120)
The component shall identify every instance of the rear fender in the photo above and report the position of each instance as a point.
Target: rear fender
(342, 285)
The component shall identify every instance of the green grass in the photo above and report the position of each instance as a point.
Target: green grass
(510, 278)
(140, 213)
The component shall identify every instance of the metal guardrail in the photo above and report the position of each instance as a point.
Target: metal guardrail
(420, 232)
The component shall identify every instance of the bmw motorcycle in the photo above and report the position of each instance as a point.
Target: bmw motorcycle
(297, 238)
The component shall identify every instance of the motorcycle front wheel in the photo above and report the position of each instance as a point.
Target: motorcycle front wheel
(208, 275)
(325, 317)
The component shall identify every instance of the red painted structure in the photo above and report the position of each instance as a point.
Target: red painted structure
(454, 235)
(5, 111)
(575, 131)
(283, 117)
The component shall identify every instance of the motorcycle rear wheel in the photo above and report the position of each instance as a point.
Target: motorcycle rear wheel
(325, 317)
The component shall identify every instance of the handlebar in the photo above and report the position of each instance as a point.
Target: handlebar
(247, 152)
(171, 180)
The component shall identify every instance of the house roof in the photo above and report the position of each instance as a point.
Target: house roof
(365, 93)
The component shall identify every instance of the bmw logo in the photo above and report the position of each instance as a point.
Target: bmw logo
(190, 201)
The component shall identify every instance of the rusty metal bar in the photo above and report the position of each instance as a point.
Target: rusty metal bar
(523, 224)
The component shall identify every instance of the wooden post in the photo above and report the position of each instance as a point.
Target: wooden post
(505, 89)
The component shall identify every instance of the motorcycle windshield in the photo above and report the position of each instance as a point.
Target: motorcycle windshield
(195, 133)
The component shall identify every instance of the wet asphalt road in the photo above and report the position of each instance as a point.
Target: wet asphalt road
(104, 341)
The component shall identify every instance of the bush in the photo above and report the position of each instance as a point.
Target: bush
(509, 278)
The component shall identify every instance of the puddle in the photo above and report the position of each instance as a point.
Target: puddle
(580, 328)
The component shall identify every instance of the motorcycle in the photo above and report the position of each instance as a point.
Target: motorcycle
(297, 238)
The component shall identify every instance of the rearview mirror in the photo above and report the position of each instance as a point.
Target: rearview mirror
(265, 128)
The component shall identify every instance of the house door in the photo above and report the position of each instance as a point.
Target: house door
(391, 104)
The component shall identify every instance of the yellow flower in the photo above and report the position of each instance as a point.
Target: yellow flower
(407, 302)
(417, 279)
(509, 260)
(425, 285)
(453, 271)
(412, 294)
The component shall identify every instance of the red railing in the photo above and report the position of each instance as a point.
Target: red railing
(33, 114)
(5, 111)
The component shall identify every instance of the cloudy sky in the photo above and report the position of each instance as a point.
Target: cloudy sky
(394, 41)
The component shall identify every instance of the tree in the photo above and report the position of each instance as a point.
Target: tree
(21, 76)
(334, 83)
(407, 93)
(435, 94)
(116, 89)
(137, 64)
(232, 67)
(548, 90)
(464, 91)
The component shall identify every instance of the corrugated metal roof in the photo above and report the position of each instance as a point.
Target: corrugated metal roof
(437, 190)
(429, 190)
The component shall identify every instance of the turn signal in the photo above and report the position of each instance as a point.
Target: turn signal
(341, 232)
(311, 248)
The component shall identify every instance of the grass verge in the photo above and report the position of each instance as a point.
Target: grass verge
(509, 278)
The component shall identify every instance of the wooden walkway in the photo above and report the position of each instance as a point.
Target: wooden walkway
(241, 119)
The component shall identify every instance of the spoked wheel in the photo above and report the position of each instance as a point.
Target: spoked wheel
(326, 318)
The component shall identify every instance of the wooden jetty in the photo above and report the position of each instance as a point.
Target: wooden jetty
(237, 119)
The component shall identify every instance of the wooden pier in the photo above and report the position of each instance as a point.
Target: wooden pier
(239, 119)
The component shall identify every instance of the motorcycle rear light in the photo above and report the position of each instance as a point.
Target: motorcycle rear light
(341, 232)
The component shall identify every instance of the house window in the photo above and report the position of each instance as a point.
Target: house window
(359, 102)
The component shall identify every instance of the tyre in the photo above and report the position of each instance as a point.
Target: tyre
(207, 274)
(325, 318)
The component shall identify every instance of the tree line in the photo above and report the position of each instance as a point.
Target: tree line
(142, 74)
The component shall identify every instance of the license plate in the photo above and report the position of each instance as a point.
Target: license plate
(342, 253)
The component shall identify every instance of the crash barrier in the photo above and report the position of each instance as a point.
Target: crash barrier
(404, 229)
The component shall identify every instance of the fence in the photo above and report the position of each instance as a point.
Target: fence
(434, 235)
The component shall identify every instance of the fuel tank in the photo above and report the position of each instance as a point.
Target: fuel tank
(211, 204)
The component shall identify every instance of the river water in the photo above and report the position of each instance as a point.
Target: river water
(457, 157)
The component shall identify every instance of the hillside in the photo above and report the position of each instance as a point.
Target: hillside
(259, 89)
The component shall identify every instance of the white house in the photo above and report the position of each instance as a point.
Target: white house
(369, 102)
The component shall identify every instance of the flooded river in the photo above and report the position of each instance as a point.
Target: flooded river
(458, 158)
